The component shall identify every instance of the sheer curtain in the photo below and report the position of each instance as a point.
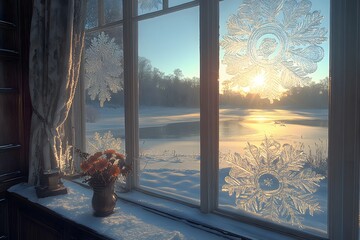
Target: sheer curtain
(56, 47)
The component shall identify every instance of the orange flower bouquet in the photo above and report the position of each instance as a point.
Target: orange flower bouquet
(102, 168)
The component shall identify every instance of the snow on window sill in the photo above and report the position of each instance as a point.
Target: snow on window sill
(192, 216)
(140, 216)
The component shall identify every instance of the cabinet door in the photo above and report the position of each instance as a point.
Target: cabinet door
(32, 228)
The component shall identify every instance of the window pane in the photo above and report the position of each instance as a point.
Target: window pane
(113, 10)
(104, 95)
(169, 103)
(148, 6)
(178, 2)
(274, 82)
(91, 14)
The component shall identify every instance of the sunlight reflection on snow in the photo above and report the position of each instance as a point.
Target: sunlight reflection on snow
(73, 201)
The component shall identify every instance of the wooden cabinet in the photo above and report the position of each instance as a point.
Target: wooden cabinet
(14, 94)
(15, 110)
(31, 221)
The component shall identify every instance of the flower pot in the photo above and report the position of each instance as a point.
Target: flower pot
(104, 199)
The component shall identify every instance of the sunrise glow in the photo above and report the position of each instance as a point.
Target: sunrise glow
(259, 80)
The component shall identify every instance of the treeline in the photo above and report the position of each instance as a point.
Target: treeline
(158, 89)
(174, 90)
(315, 95)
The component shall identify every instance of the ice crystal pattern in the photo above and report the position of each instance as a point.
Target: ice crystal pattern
(100, 143)
(66, 162)
(275, 40)
(149, 4)
(272, 181)
(103, 68)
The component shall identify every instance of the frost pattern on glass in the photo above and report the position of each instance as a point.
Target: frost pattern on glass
(149, 4)
(100, 143)
(66, 163)
(275, 41)
(103, 68)
(272, 181)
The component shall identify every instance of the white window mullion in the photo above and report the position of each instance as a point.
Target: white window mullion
(344, 122)
(131, 91)
(79, 120)
(209, 103)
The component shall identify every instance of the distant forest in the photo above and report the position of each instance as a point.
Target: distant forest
(175, 90)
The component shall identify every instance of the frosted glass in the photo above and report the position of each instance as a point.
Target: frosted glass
(274, 111)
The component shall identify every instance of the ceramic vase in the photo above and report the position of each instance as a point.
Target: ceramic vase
(103, 200)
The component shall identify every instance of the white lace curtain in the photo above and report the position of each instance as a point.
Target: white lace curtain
(56, 47)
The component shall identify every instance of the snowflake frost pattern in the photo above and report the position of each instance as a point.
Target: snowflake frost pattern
(149, 4)
(100, 143)
(103, 68)
(272, 46)
(272, 181)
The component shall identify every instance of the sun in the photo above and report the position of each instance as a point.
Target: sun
(281, 38)
(259, 80)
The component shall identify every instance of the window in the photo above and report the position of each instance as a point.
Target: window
(101, 95)
(274, 78)
(224, 105)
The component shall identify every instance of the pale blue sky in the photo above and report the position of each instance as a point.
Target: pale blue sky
(172, 41)
(179, 46)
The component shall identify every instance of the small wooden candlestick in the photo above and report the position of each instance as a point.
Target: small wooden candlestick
(50, 185)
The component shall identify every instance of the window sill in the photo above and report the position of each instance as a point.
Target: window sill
(192, 216)
(129, 221)
(140, 216)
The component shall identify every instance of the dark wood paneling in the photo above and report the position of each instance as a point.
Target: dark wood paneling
(8, 10)
(32, 229)
(3, 219)
(9, 54)
(15, 107)
(9, 119)
(7, 25)
(25, 13)
(9, 73)
(8, 39)
(10, 181)
(9, 162)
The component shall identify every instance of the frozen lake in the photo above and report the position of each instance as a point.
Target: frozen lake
(177, 129)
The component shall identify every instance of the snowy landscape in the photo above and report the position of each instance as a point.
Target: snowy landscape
(170, 161)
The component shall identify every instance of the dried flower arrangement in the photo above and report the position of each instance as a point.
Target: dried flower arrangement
(102, 168)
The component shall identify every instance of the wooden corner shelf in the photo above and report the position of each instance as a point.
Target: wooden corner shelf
(11, 176)
(8, 147)
(8, 90)
(7, 25)
(7, 53)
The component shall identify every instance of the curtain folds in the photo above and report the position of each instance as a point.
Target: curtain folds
(56, 47)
